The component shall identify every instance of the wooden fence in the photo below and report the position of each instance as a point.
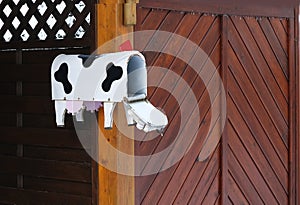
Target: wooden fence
(40, 163)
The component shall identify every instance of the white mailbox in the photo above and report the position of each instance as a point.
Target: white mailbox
(81, 82)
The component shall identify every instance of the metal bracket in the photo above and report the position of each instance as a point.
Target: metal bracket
(130, 12)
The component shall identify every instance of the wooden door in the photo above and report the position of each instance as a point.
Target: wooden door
(254, 52)
(257, 134)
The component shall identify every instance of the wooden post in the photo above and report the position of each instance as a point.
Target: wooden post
(114, 188)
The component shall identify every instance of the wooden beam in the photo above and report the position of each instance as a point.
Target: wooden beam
(114, 188)
(297, 112)
(229, 7)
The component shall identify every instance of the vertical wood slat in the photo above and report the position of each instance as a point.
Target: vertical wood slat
(292, 109)
(224, 156)
(297, 122)
(114, 188)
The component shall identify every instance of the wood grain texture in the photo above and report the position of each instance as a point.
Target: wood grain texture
(42, 164)
(185, 178)
(254, 164)
(228, 7)
(114, 188)
(297, 101)
(259, 105)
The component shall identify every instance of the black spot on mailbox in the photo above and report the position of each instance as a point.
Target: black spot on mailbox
(113, 73)
(62, 76)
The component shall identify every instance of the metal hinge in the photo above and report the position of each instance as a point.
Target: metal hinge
(130, 12)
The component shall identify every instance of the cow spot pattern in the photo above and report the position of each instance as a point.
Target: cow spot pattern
(113, 73)
(62, 76)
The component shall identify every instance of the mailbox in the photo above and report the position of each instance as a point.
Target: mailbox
(81, 82)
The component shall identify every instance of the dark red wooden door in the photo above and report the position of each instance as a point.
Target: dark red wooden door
(183, 182)
(258, 110)
(254, 162)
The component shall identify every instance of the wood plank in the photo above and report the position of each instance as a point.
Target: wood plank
(41, 121)
(279, 73)
(250, 168)
(242, 48)
(274, 42)
(284, 23)
(8, 149)
(190, 81)
(7, 88)
(46, 56)
(224, 139)
(234, 192)
(261, 162)
(36, 89)
(265, 98)
(152, 22)
(176, 66)
(33, 197)
(280, 32)
(243, 181)
(296, 195)
(142, 14)
(114, 188)
(48, 121)
(293, 106)
(185, 28)
(40, 136)
(169, 24)
(26, 72)
(265, 154)
(46, 168)
(8, 57)
(26, 104)
(219, 200)
(59, 154)
(8, 119)
(8, 180)
(212, 46)
(264, 69)
(66, 43)
(247, 8)
(204, 26)
(258, 114)
(186, 164)
(211, 195)
(201, 175)
(57, 186)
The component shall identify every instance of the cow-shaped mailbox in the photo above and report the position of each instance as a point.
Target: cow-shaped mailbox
(82, 82)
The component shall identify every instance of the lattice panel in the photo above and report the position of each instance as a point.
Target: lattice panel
(40, 20)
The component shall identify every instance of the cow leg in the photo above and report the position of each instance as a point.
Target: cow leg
(60, 110)
(130, 120)
(108, 114)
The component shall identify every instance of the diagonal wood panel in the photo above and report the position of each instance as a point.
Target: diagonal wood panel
(258, 99)
(266, 108)
(258, 109)
(257, 128)
(205, 32)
